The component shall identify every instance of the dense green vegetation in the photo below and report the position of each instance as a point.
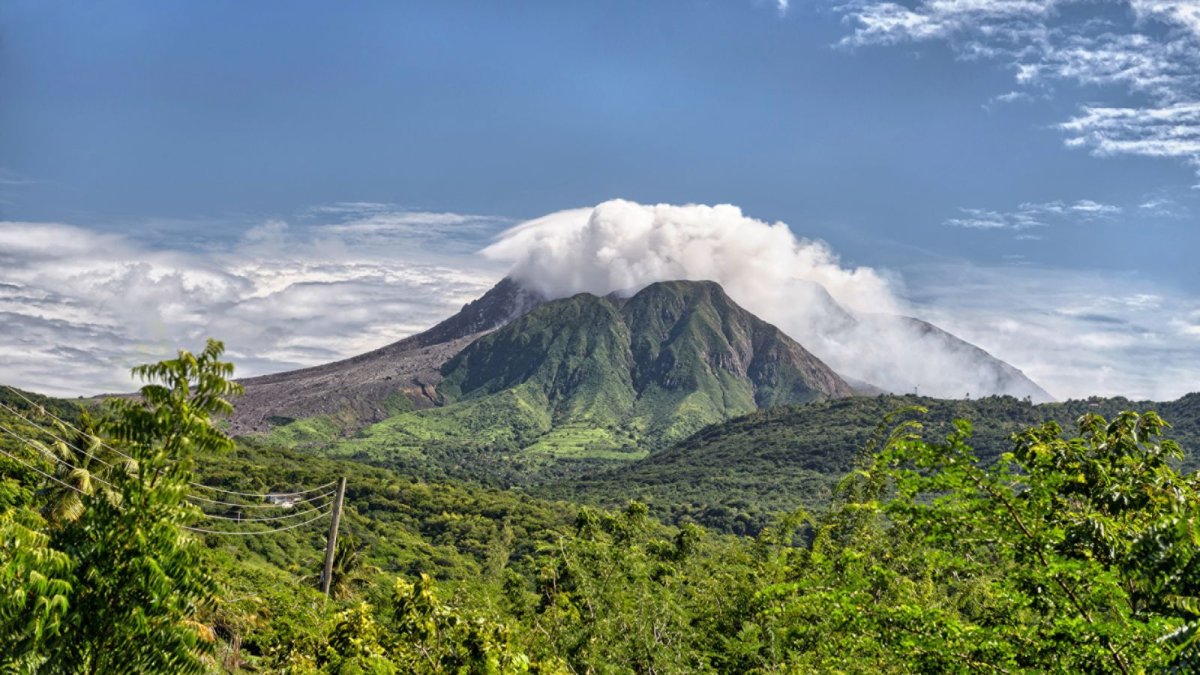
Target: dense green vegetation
(1043, 550)
(737, 475)
(733, 476)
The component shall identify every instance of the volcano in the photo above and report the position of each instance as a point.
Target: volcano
(669, 359)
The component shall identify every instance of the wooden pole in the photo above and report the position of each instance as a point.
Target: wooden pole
(333, 532)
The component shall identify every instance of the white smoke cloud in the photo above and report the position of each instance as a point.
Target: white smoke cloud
(621, 246)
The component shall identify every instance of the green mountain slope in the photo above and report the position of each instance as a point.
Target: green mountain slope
(574, 352)
(732, 475)
(666, 362)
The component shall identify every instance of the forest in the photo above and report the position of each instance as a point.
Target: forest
(1072, 548)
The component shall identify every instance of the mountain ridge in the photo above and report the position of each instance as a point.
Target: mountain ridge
(408, 375)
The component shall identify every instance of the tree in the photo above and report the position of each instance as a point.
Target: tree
(86, 460)
(138, 579)
(350, 570)
(35, 583)
(1071, 554)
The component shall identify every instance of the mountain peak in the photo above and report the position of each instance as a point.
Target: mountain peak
(504, 302)
(674, 357)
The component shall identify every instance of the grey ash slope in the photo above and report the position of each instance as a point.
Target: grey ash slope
(375, 385)
(889, 353)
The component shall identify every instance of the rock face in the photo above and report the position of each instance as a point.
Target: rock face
(372, 386)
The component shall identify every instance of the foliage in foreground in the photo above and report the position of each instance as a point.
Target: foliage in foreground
(98, 576)
(1074, 554)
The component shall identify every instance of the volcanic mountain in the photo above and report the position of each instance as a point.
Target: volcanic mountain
(670, 359)
(673, 358)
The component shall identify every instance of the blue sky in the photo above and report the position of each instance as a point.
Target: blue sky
(993, 144)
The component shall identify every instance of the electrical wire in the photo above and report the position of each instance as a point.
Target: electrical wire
(68, 425)
(321, 509)
(61, 421)
(268, 494)
(59, 460)
(280, 529)
(268, 518)
(64, 462)
(96, 478)
(260, 506)
(57, 437)
(28, 465)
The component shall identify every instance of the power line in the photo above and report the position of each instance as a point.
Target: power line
(28, 465)
(280, 529)
(93, 476)
(259, 506)
(320, 509)
(63, 422)
(105, 445)
(56, 437)
(268, 494)
(30, 443)
(268, 518)
(64, 462)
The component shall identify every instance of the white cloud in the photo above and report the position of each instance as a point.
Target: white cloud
(1078, 333)
(891, 23)
(1163, 206)
(1030, 215)
(621, 246)
(1184, 13)
(1169, 131)
(80, 307)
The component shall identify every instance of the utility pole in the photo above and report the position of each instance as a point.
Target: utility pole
(333, 532)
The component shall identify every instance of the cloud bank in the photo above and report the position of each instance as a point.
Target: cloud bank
(78, 308)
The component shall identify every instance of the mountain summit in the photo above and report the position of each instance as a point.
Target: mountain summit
(671, 359)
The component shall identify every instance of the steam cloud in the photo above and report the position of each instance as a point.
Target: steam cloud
(848, 317)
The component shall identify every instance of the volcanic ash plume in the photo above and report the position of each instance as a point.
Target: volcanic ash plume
(848, 317)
